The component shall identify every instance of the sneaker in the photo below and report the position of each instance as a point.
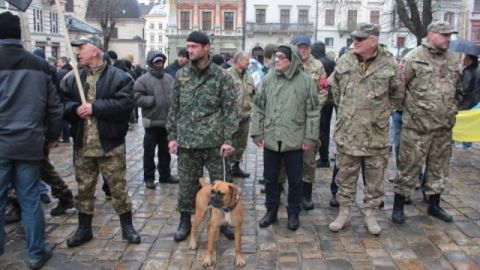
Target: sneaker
(45, 198)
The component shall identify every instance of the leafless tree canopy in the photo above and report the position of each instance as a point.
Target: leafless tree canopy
(106, 13)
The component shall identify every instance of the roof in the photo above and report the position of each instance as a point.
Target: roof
(76, 25)
(129, 9)
(159, 10)
(145, 9)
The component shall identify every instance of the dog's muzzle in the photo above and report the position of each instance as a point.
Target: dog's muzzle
(216, 199)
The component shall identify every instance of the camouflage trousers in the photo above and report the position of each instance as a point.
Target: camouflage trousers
(113, 169)
(308, 168)
(240, 139)
(190, 168)
(416, 149)
(50, 176)
(347, 177)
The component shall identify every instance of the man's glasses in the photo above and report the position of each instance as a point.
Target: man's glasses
(280, 56)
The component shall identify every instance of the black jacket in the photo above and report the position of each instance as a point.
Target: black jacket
(173, 68)
(469, 88)
(112, 106)
(63, 71)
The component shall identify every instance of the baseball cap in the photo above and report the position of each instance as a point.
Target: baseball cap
(302, 39)
(441, 28)
(365, 30)
(95, 41)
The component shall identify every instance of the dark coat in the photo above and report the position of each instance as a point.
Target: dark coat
(173, 68)
(469, 88)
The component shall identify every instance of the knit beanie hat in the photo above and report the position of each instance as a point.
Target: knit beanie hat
(10, 26)
(285, 50)
(198, 37)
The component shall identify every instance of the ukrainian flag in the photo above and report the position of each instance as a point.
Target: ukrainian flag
(467, 126)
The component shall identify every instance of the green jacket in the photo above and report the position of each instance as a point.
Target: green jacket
(366, 93)
(245, 89)
(202, 112)
(286, 109)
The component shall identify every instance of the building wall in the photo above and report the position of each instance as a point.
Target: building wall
(156, 26)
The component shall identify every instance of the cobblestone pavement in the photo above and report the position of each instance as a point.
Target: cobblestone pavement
(421, 243)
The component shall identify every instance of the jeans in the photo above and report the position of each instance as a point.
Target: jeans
(25, 176)
(43, 187)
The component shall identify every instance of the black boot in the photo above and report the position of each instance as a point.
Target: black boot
(435, 210)
(65, 202)
(269, 218)
(237, 172)
(333, 201)
(397, 212)
(170, 179)
(184, 227)
(293, 222)
(227, 231)
(84, 231)
(128, 232)
(307, 203)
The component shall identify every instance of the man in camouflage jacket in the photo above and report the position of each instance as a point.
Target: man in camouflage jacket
(431, 81)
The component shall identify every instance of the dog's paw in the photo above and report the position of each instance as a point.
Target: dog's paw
(239, 261)
(192, 245)
(207, 262)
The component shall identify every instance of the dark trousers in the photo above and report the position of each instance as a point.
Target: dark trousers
(155, 136)
(325, 120)
(333, 184)
(50, 176)
(293, 161)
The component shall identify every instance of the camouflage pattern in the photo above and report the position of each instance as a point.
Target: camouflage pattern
(349, 167)
(366, 93)
(244, 89)
(240, 140)
(113, 168)
(202, 112)
(431, 79)
(365, 30)
(190, 169)
(417, 148)
(441, 28)
(50, 176)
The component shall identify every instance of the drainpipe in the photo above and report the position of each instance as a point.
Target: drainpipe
(316, 20)
(244, 36)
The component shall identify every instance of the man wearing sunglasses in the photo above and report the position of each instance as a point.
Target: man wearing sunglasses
(365, 89)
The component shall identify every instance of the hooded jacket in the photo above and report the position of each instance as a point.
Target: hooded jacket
(173, 68)
(153, 94)
(286, 109)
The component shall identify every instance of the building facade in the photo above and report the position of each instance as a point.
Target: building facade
(472, 20)
(222, 20)
(155, 28)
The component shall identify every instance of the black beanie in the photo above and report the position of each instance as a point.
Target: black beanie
(10, 26)
(285, 50)
(198, 37)
(182, 52)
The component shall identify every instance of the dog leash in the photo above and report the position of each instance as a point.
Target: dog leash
(224, 169)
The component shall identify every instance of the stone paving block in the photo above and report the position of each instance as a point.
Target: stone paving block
(129, 265)
(408, 264)
(469, 228)
(339, 264)
(155, 264)
(437, 264)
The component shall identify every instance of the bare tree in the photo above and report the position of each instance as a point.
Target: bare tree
(413, 18)
(106, 13)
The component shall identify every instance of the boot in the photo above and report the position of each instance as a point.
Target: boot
(397, 212)
(128, 232)
(269, 218)
(307, 203)
(343, 220)
(227, 231)
(65, 202)
(371, 222)
(237, 172)
(333, 201)
(84, 231)
(184, 227)
(293, 222)
(435, 210)
(13, 212)
(168, 180)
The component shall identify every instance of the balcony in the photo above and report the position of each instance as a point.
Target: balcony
(274, 28)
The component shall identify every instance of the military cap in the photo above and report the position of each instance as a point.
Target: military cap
(302, 39)
(441, 28)
(365, 30)
(95, 41)
(269, 50)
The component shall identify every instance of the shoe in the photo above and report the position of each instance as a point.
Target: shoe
(106, 189)
(184, 227)
(321, 163)
(168, 180)
(307, 203)
(293, 222)
(84, 231)
(371, 222)
(333, 201)
(237, 172)
(408, 200)
(227, 231)
(128, 231)
(343, 220)
(397, 212)
(269, 218)
(13, 212)
(381, 205)
(65, 202)
(47, 254)
(45, 198)
(435, 210)
(261, 181)
(150, 184)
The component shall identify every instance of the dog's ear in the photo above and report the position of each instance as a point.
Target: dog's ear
(233, 188)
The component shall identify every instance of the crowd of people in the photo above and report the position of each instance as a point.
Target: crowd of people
(203, 108)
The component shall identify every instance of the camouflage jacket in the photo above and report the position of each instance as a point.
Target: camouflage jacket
(245, 89)
(431, 80)
(202, 112)
(314, 68)
(366, 93)
(286, 109)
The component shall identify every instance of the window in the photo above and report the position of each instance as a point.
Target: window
(260, 15)
(329, 42)
(303, 16)
(69, 6)
(53, 22)
(475, 35)
(476, 6)
(184, 20)
(160, 26)
(228, 20)
(450, 18)
(160, 38)
(400, 42)
(352, 20)
(152, 38)
(207, 20)
(152, 26)
(284, 18)
(330, 17)
(375, 16)
(37, 20)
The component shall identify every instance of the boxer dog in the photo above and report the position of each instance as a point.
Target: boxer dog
(224, 200)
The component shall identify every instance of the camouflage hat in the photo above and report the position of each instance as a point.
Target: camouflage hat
(95, 41)
(269, 50)
(365, 30)
(441, 28)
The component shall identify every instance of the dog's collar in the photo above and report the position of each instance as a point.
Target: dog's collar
(236, 196)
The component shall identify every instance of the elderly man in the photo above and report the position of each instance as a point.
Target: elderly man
(431, 80)
(99, 127)
(365, 89)
(285, 123)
